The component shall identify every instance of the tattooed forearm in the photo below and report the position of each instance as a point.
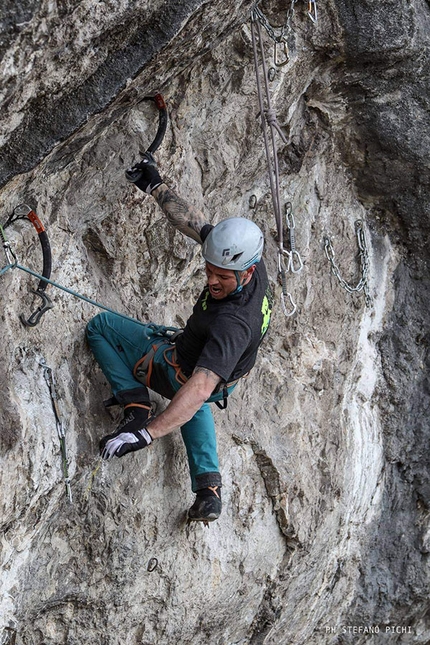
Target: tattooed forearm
(208, 374)
(185, 218)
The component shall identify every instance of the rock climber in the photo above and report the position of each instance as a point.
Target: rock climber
(195, 366)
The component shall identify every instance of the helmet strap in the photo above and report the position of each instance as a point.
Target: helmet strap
(239, 284)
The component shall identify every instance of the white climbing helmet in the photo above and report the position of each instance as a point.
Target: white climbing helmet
(235, 243)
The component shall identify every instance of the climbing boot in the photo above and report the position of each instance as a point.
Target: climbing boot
(131, 434)
(207, 506)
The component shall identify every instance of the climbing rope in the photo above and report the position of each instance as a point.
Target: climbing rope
(12, 263)
(363, 283)
(268, 115)
(25, 212)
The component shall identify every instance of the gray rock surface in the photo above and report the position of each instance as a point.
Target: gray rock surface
(324, 536)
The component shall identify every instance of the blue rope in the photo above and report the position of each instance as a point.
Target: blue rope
(70, 291)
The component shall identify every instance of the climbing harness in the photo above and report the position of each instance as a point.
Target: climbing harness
(22, 211)
(49, 378)
(363, 283)
(164, 342)
(133, 174)
(144, 367)
(12, 263)
(268, 114)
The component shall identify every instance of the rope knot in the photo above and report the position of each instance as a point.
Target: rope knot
(272, 121)
(270, 115)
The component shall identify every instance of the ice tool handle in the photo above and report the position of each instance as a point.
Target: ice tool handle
(133, 174)
(22, 211)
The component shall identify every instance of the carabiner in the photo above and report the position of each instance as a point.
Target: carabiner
(312, 11)
(298, 266)
(11, 258)
(288, 314)
(285, 293)
(35, 317)
(286, 58)
(289, 217)
(295, 262)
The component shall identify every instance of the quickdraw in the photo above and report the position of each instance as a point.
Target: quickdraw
(132, 175)
(49, 378)
(25, 212)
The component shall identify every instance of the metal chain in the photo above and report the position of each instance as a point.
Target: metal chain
(279, 33)
(363, 283)
(283, 30)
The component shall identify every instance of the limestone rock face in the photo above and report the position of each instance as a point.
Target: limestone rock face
(324, 536)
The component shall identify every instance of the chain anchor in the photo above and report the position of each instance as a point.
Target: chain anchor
(363, 283)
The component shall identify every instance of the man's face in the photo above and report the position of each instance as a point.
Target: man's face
(222, 282)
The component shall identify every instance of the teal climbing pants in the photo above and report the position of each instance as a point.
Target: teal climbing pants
(118, 345)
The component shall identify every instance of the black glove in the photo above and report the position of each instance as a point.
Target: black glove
(122, 441)
(145, 174)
